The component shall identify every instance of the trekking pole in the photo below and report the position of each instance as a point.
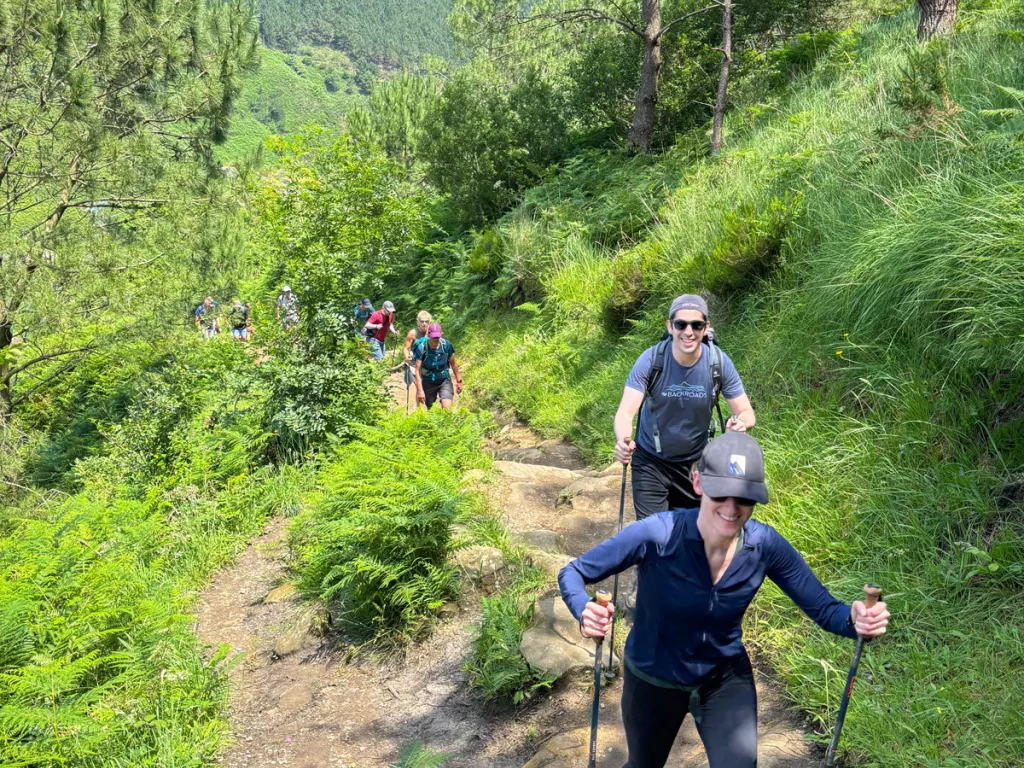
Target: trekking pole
(601, 597)
(615, 581)
(871, 596)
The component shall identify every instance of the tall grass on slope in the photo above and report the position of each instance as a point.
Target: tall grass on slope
(376, 540)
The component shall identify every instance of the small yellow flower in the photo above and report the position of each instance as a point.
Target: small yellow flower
(839, 352)
(939, 710)
(846, 335)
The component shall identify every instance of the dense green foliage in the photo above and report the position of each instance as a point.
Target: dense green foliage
(402, 31)
(415, 755)
(98, 663)
(335, 219)
(377, 539)
(108, 113)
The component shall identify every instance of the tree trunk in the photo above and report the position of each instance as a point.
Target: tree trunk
(938, 17)
(723, 77)
(647, 95)
(6, 337)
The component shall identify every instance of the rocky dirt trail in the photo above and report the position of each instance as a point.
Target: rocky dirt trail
(302, 700)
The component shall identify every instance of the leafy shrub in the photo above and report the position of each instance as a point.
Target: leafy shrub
(496, 668)
(376, 541)
(316, 392)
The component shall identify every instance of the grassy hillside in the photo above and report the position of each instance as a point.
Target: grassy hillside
(860, 240)
(288, 91)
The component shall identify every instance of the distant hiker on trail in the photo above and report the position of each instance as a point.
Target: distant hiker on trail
(380, 323)
(288, 309)
(361, 316)
(434, 356)
(206, 318)
(238, 319)
(423, 321)
(699, 570)
(677, 410)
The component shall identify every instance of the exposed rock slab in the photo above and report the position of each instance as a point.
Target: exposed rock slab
(480, 563)
(302, 634)
(549, 562)
(282, 594)
(542, 539)
(554, 644)
(535, 473)
(570, 749)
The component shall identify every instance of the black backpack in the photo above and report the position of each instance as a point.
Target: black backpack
(658, 367)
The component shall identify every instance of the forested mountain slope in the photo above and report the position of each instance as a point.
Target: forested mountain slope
(289, 90)
(396, 31)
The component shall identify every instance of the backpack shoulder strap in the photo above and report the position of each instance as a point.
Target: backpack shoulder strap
(653, 377)
(715, 362)
(657, 367)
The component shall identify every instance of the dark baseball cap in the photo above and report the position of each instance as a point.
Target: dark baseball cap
(688, 301)
(733, 465)
(367, 303)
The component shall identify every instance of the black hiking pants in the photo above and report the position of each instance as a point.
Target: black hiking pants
(725, 704)
(660, 485)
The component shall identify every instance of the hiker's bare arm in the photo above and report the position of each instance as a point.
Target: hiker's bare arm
(742, 417)
(630, 404)
(410, 337)
(458, 376)
(421, 396)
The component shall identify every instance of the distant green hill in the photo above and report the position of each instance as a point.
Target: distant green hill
(386, 31)
(315, 85)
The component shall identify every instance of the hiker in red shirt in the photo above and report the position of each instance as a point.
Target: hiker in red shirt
(380, 322)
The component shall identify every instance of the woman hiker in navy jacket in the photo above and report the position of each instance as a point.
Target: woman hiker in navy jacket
(698, 571)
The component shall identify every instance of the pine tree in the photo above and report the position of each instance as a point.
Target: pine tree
(97, 99)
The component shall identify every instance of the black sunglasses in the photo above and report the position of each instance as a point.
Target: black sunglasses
(740, 501)
(697, 325)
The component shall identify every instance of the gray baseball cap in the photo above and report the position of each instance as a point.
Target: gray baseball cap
(733, 465)
(689, 301)
(389, 306)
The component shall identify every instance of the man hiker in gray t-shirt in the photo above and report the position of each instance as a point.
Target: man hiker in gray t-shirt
(673, 428)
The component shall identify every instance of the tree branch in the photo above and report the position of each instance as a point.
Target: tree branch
(15, 371)
(684, 17)
(583, 15)
(42, 383)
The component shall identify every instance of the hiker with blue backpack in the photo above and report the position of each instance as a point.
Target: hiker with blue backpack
(435, 357)
(675, 386)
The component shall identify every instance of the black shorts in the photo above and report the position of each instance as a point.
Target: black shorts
(435, 389)
(660, 485)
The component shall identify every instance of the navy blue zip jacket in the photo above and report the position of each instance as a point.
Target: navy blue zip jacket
(684, 625)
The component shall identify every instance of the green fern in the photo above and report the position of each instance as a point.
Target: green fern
(415, 755)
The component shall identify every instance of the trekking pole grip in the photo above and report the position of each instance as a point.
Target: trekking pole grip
(602, 598)
(871, 595)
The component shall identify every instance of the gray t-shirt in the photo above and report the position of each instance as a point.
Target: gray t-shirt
(682, 403)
